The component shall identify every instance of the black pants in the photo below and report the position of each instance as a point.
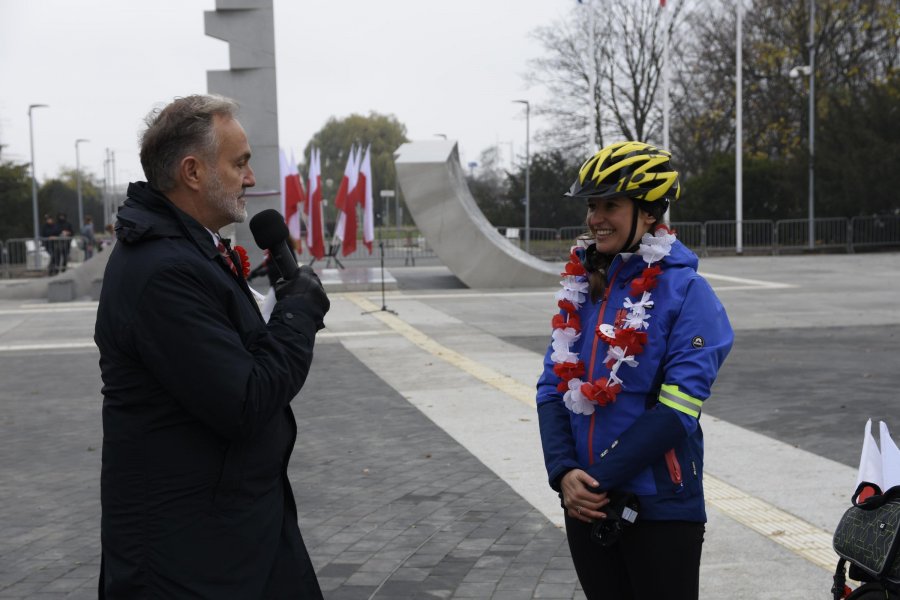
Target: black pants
(652, 560)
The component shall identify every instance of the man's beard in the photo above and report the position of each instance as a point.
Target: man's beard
(228, 203)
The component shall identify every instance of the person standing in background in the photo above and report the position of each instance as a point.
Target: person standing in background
(65, 232)
(87, 236)
(49, 238)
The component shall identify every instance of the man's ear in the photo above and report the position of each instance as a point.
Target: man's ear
(191, 172)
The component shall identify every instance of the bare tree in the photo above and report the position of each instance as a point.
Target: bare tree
(856, 44)
(602, 67)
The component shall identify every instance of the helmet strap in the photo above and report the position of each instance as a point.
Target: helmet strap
(630, 243)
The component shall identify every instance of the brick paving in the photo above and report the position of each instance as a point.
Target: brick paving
(390, 505)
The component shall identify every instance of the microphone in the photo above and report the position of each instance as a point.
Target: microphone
(270, 233)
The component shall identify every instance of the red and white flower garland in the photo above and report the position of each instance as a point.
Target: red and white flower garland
(581, 397)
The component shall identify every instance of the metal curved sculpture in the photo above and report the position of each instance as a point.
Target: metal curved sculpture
(434, 187)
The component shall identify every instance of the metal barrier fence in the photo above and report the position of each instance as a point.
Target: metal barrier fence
(760, 236)
(21, 259)
(875, 231)
(18, 256)
(399, 243)
(830, 233)
(755, 235)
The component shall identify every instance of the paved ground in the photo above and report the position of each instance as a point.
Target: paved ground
(417, 467)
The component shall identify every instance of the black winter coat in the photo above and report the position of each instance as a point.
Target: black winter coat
(197, 423)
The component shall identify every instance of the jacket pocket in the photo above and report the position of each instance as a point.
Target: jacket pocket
(684, 470)
(673, 466)
(230, 476)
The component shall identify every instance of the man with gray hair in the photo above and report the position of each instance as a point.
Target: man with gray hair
(197, 423)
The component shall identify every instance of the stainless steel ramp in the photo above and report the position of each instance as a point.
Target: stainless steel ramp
(434, 187)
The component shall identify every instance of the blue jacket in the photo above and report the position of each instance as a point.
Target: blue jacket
(649, 440)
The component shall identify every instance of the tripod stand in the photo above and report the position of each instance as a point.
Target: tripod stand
(384, 307)
(333, 254)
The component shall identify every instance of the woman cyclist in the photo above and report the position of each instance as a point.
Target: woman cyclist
(637, 343)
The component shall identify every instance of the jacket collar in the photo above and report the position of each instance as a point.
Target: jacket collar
(149, 214)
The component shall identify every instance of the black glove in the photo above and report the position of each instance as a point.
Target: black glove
(308, 290)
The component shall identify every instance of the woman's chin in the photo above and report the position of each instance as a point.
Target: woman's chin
(606, 245)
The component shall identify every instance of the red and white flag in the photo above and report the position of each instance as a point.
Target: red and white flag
(315, 221)
(342, 199)
(365, 185)
(293, 194)
(346, 202)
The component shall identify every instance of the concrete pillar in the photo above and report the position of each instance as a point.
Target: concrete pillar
(249, 28)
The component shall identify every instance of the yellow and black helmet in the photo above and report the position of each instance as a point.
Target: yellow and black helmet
(628, 170)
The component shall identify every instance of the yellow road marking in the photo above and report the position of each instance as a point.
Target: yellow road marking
(795, 534)
(791, 532)
(507, 385)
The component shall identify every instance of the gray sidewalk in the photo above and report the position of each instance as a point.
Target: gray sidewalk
(415, 479)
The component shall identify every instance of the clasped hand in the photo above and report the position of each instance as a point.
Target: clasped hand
(582, 496)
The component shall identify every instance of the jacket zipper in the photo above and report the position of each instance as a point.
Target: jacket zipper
(590, 372)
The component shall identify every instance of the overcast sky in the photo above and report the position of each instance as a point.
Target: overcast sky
(450, 67)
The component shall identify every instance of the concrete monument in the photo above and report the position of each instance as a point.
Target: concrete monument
(434, 187)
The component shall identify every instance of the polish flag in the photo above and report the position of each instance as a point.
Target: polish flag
(890, 458)
(346, 227)
(294, 195)
(315, 221)
(870, 479)
(342, 198)
(365, 185)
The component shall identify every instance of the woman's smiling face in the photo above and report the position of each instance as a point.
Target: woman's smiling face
(609, 221)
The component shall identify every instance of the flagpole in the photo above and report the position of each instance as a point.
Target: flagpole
(739, 137)
(591, 74)
(665, 76)
(665, 88)
(812, 122)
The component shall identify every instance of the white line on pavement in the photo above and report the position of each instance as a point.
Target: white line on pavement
(747, 283)
(44, 309)
(49, 346)
(343, 334)
(80, 345)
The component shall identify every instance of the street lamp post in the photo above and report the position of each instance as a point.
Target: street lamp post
(527, 173)
(34, 203)
(810, 71)
(812, 120)
(78, 180)
(739, 132)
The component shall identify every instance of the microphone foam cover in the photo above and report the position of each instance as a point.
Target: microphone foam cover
(268, 228)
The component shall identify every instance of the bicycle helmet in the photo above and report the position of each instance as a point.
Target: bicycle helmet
(630, 170)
